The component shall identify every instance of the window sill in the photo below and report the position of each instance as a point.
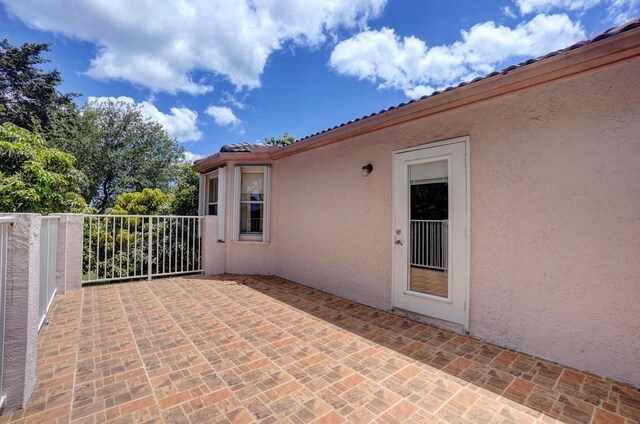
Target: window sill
(251, 242)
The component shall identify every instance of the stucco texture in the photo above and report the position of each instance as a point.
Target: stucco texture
(213, 252)
(555, 218)
(21, 308)
(69, 248)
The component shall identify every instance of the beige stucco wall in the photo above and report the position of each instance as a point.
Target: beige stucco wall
(213, 252)
(334, 226)
(555, 218)
(555, 221)
(69, 256)
(21, 308)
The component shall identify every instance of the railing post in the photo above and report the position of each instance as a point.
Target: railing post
(21, 312)
(149, 253)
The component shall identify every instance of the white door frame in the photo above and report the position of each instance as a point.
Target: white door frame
(395, 264)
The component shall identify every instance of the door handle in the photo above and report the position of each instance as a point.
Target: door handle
(399, 242)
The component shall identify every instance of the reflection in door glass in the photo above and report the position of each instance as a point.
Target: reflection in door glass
(429, 224)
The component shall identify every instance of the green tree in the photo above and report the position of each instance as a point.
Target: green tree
(185, 193)
(119, 150)
(149, 201)
(29, 95)
(281, 141)
(35, 178)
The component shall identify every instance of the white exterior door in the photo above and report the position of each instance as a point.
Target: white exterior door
(430, 214)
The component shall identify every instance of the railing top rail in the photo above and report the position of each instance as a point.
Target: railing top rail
(429, 220)
(89, 215)
(6, 219)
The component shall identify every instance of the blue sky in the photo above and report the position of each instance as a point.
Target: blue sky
(224, 71)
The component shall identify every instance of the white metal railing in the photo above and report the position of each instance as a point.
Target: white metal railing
(429, 243)
(48, 249)
(254, 225)
(127, 247)
(5, 228)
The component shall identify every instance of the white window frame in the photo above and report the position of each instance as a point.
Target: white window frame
(208, 202)
(237, 186)
(205, 179)
(202, 191)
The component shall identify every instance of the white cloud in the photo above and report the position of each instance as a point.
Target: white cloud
(223, 116)
(181, 123)
(529, 6)
(410, 65)
(618, 11)
(621, 11)
(506, 10)
(231, 99)
(192, 157)
(160, 44)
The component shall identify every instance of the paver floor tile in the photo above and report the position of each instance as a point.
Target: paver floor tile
(241, 349)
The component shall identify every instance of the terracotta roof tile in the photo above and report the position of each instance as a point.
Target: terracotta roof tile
(239, 147)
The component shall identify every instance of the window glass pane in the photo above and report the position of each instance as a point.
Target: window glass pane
(426, 173)
(213, 190)
(251, 217)
(213, 209)
(429, 225)
(252, 187)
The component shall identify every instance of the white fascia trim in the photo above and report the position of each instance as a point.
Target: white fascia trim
(222, 173)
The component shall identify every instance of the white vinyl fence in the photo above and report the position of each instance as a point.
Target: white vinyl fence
(430, 244)
(48, 250)
(127, 247)
(5, 229)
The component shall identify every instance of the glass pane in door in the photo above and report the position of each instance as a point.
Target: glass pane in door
(429, 224)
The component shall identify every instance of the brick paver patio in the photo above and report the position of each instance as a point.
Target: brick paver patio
(243, 349)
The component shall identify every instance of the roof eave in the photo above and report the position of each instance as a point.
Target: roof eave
(219, 159)
(606, 52)
(594, 55)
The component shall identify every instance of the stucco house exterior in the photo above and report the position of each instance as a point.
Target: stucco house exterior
(507, 207)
